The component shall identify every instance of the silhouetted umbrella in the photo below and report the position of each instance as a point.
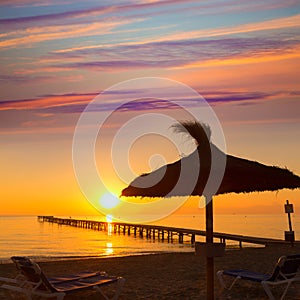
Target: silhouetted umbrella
(240, 176)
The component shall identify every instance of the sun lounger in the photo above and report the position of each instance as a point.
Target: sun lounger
(286, 271)
(31, 282)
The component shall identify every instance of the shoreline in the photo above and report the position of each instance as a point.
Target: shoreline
(171, 275)
(44, 259)
(44, 241)
(190, 249)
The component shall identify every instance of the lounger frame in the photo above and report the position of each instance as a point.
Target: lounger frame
(32, 282)
(286, 272)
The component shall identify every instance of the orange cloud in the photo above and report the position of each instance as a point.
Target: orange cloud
(48, 101)
(259, 57)
(34, 35)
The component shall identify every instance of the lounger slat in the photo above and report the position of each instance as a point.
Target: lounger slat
(286, 271)
(36, 283)
(244, 274)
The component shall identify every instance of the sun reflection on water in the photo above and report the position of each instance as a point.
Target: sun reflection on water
(109, 219)
(109, 229)
(109, 249)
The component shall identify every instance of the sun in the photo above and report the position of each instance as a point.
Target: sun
(109, 201)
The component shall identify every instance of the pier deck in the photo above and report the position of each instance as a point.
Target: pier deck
(160, 232)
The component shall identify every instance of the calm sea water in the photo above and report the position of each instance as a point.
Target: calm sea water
(43, 241)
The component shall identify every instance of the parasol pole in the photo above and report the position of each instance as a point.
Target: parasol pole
(209, 240)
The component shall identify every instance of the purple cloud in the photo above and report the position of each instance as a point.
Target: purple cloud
(45, 102)
(120, 64)
(174, 53)
(117, 8)
(53, 18)
(226, 97)
(45, 105)
(69, 16)
(22, 79)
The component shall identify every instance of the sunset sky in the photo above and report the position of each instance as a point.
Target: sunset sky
(243, 57)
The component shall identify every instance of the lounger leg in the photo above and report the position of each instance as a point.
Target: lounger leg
(222, 281)
(9, 295)
(120, 284)
(58, 296)
(17, 290)
(267, 289)
(286, 289)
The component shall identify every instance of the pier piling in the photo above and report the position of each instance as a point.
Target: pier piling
(156, 231)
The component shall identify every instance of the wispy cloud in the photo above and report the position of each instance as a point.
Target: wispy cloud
(20, 79)
(182, 53)
(47, 101)
(275, 24)
(232, 96)
(24, 78)
(278, 23)
(120, 65)
(113, 8)
(86, 15)
(21, 3)
(86, 22)
(76, 103)
(34, 35)
(53, 18)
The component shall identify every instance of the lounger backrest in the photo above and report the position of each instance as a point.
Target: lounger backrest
(287, 267)
(32, 272)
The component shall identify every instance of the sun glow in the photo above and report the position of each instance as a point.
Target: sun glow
(109, 201)
(109, 218)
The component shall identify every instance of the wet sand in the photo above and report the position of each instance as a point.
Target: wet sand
(172, 275)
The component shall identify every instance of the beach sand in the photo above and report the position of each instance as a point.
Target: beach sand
(172, 275)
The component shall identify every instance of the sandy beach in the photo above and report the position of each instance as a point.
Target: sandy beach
(172, 275)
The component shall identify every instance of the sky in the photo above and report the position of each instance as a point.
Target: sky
(242, 57)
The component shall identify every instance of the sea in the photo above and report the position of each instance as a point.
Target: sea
(25, 235)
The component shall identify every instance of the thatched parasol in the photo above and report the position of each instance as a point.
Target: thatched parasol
(240, 176)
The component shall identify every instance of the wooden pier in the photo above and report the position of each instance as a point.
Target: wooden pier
(162, 233)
